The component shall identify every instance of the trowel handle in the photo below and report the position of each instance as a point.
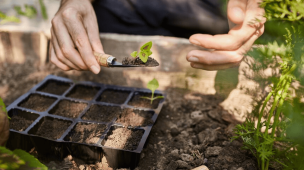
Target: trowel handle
(104, 60)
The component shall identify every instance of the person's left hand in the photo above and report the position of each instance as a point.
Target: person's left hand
(229, 49)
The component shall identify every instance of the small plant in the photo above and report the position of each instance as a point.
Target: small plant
(144, 52)
(153, 85)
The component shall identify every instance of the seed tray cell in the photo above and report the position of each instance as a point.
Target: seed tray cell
(81, 118)
(54, 87)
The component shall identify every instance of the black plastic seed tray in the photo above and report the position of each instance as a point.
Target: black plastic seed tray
(60, 117)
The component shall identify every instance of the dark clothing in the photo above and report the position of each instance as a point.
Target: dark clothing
(180, 18)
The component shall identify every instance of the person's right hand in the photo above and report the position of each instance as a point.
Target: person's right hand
(75, 36)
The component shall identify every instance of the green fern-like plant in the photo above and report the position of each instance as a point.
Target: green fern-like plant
(281, 143)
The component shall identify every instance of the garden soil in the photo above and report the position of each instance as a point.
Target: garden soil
(151, 62)
(191, 130)
(114, 96)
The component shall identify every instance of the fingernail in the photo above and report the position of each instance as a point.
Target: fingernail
(193, 59)
(195, 42)
(95, 69)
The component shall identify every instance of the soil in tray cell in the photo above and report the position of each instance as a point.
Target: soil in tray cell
(50, 128)
(131, 117)
(68, 108)
(138, 101)
(86, 133)
(54, 87)
(21, 120)
(102, 113)
(124, 138)
(37, 102)
(83, 92)
(114, 96)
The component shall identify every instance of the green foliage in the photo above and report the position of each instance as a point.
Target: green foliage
(19, 159)
(134, 54)
(153, 85)
(30, 11)
(2, 107)
(6, 19)
(281, 143)
(43, 10)
(144, 53)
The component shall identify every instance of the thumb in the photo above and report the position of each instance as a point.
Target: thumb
(236, 10)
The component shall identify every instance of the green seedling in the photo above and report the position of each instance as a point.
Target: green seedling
(144, 53)
(153, 85)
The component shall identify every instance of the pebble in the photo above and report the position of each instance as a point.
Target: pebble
(205, 161)
(196, 115)
(82, 167)
(186, 157)
(210, 135)
(203, 167)
(172, 166)
(182, 164)
(142, 155)
(213, 151)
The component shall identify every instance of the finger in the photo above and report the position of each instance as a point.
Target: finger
(91, 26)
(55, 61)
(247, 46)
(238, 35)
(66, 44)
(236, 11)
(214, 57)
(213, 67)
(59, 54)
(81, 40)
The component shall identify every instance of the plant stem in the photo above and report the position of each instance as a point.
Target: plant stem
(152, 98)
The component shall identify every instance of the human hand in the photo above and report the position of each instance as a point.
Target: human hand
(229, 49)
(75, 36)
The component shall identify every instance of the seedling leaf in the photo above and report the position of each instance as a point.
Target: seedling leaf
(158, 97)
(31, 161)
(8, 160)
(43, 10)
(153, 85)
(146, 47)
(144, 55)
(134, 54)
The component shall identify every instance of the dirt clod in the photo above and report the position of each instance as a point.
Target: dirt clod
(137, 61)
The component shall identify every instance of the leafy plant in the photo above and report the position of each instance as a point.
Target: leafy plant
(6, 19)
(19, 159)
(144, 53)
(43, 10)
(153, 85)
(278, 140)
(30, 11)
